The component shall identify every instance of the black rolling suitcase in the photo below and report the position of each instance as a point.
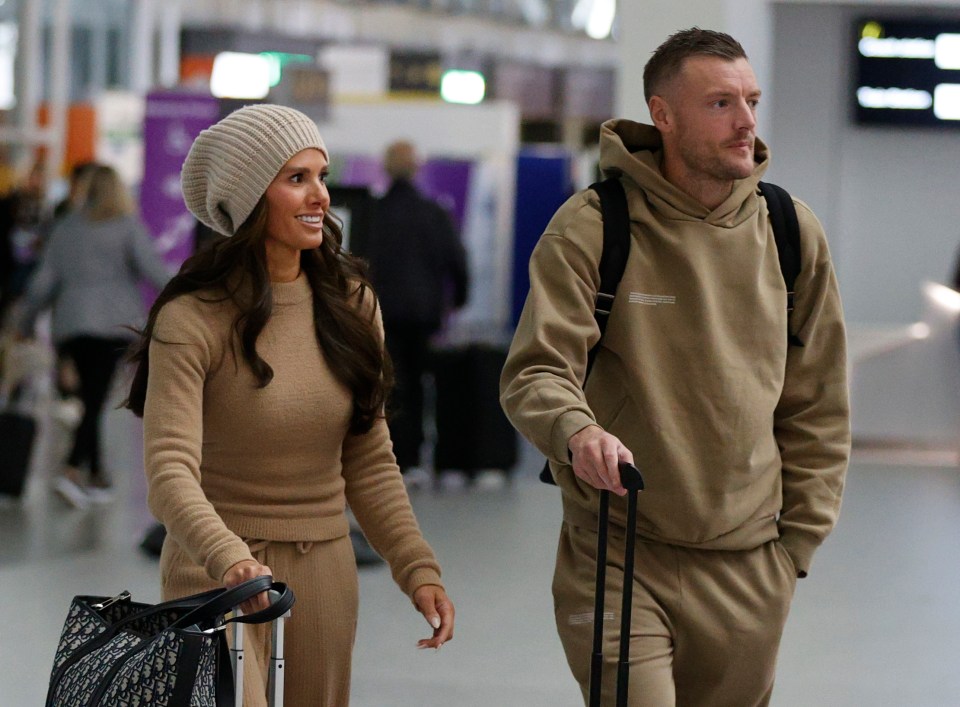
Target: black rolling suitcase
(18, 430)
(633, 482)
(473, 433)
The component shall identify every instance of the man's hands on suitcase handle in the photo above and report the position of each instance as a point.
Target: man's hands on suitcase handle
(432, 601)
(596, 456)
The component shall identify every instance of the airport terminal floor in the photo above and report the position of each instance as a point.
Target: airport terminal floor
(877, 622)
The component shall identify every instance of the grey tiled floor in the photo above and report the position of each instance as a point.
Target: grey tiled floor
(877, 623)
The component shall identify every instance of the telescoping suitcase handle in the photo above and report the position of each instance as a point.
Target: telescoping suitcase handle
(275, 680)
(631, 480)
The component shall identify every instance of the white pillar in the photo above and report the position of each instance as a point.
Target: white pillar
(645, 25)
(170, 23)
(60, 80)
(29, 81)
(98, 56)
(142, 27)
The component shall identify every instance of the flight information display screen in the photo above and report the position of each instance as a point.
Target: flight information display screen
(907, 72)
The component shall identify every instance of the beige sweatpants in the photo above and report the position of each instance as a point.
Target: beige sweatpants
(320, 631)
(706, 624)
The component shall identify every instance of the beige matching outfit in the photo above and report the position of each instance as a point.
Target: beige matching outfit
(742, 440)
(238, 472)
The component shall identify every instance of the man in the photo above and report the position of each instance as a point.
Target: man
(419, 269)
(743, 440)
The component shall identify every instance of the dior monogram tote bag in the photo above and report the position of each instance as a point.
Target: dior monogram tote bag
(114, 651)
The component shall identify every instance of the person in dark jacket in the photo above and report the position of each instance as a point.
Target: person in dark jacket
(7, 261)
(22, 224)
(419, 267)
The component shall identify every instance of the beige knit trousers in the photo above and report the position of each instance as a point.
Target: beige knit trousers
(706, 623)
(320, 631)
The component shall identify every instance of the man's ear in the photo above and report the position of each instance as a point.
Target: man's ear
(660, 113)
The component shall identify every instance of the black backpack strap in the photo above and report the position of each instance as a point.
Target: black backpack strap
(613, 257)
(613, 261)
(786, 233)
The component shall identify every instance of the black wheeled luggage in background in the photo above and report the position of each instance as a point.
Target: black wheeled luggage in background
(473, 433)
(17, 433)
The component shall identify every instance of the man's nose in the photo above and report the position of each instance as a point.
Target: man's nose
(746, 118)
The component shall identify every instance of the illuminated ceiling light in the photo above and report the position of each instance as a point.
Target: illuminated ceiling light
(947, 52)
(946, 101)
(237, 75)
(457, 86)
(894, 98)
(276, 68)
(872, 29)
(595, 17)
(601, 19)
(278, 60)
(919, 330)
(944, 297)
(894, 48)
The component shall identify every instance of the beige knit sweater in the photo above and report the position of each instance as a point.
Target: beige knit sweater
(228, 461)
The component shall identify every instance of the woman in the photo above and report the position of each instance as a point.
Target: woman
(90, 271)
(261, 379)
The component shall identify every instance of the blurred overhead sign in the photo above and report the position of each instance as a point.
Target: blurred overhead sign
(306, 88)
(907, 72)
(416, 72)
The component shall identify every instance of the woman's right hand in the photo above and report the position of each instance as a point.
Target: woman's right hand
(240, 573)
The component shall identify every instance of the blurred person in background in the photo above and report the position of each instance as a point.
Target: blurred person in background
(90, 272)
(23, 218)
(78, 183)
(7, 261)
(419, 268)
(261, 377)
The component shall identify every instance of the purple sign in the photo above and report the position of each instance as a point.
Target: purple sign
(172, 122)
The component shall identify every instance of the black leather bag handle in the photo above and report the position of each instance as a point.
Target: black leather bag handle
(225, 600)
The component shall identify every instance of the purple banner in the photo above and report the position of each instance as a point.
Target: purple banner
(172, 122)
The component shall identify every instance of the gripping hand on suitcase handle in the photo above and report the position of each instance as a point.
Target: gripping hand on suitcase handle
(596, 456)
(432, 601)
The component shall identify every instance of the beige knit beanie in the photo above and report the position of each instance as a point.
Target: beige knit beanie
(231, 164)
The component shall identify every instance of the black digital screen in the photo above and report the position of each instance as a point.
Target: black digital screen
(907, 72)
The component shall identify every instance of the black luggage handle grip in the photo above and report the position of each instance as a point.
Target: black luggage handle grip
(630, 477)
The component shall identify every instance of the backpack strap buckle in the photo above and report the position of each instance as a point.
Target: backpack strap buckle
(604, 303)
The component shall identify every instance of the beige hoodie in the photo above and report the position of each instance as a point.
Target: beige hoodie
(740, 439)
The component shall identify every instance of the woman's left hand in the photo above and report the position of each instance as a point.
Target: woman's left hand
(432, 601)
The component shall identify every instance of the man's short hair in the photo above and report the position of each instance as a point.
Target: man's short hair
(667, 61)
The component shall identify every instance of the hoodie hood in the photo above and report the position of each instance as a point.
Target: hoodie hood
(634, 150)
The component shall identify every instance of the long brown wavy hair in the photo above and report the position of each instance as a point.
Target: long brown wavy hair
(347, 336)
